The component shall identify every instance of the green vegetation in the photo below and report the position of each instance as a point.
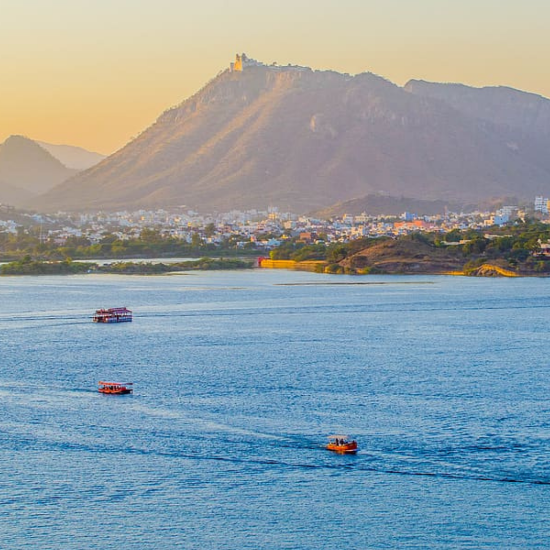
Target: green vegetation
(514, 247)
(293, 249)
(27, 266)
(150, 244)
(148, 268)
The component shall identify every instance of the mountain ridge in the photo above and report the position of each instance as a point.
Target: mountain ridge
(501, 105)
(71, 156)
(304, 140)
(26, 170)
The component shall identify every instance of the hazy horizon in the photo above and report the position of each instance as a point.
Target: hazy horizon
(95, 75)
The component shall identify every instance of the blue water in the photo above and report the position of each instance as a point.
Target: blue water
(239, 377)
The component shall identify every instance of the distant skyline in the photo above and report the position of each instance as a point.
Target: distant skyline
(95, 74)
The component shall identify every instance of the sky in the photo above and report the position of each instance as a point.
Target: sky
(95, 73)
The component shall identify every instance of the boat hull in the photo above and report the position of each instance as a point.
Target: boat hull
(111, 320)
(348, 448)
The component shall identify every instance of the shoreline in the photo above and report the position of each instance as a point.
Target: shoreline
(41, 268)
(321, 267)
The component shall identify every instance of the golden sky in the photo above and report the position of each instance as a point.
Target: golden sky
(94, 73)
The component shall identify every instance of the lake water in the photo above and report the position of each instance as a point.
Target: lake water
(239, 377)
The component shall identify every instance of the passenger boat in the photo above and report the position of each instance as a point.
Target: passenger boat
(342, 444)
(115, 388)
(113, 315)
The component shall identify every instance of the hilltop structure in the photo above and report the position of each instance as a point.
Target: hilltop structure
(242, 61)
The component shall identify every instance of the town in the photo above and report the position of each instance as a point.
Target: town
(250, 230)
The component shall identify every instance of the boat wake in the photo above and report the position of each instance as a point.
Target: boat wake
(363, 462)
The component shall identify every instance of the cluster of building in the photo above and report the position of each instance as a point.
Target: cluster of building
(253, 228)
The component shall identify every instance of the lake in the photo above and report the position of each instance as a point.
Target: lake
(238, 379)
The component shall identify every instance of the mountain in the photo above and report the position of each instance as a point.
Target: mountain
(522, 118)
(27, 170)
(71, 156)
(303, 140)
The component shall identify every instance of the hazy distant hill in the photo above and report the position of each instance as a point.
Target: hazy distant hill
(26, 169)
(304, 140)
(383, 204)
(13, 195)
(71, 156)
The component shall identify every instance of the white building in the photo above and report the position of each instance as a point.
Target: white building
(541, 204)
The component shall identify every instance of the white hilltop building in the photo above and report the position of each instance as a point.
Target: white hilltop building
(242, 61)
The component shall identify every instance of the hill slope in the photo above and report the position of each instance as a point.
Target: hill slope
(404, 255)
(303, 140)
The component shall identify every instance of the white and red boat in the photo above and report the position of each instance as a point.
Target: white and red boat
(113, 315)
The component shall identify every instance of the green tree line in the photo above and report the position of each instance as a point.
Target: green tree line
(150, 243)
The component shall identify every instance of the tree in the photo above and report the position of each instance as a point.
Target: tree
(336, 253)
(453, 236)
(475, 246)
(150, 236)
(210, 230)
(108, 238)
(196, 240)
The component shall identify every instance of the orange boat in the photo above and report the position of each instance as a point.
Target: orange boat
(342, 444)
(115, 388)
